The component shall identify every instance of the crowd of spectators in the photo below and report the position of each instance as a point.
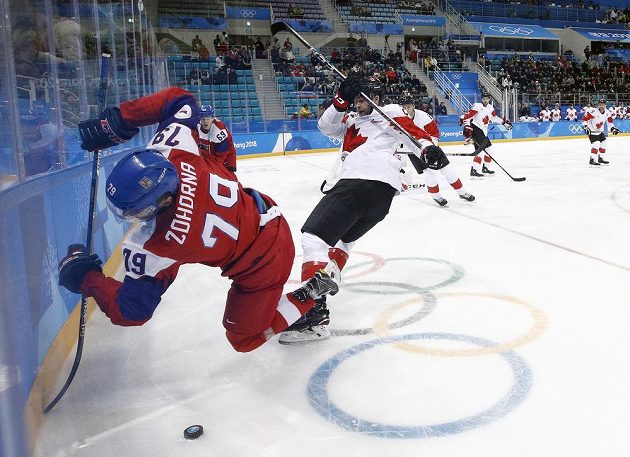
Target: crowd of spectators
(295, 12)
(419, 6)
(365, 61)
(578, 4)
(425, 7)
(433, 52)
(360, 11)
(617, 16)
(546, 78)
(228, 59)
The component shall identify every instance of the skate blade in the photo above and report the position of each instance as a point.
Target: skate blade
(315, 334)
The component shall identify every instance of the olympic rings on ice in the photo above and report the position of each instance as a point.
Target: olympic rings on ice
(456, 274)
(320, 399)
(429, 302)
(538, 326)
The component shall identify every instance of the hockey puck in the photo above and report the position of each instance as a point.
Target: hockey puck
(193, 432)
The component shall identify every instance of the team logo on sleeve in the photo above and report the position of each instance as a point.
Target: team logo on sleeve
(185, 112)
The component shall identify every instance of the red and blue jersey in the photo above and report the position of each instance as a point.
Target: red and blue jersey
(212, 221)
(217, 144)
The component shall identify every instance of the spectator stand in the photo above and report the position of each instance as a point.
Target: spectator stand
(229, 88)
(550, 81)
(192, 8)
(309, 10)
(558, 10)
(305, 80)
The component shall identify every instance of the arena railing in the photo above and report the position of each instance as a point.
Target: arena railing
(575, 98)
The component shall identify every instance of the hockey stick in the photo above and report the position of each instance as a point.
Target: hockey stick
(483, 148)
(96, 164)
(277, 27)
(333, 175)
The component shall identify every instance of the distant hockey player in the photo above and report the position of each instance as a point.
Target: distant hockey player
(545, 114)
(556, 113)
(593, 124)
(435, 163)
(475, 123)
(190, 210)
(369, 180)
(215, 139)
(571, 114)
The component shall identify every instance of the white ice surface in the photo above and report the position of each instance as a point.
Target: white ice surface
(545, 273)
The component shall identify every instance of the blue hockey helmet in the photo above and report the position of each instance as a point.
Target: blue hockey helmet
(137, 184)
(206, 111)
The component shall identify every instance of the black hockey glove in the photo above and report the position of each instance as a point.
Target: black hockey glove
(507, 124)
(467, 132)
(586, 129)
(348, 89)
(614, 131)
(75, 265)
(109, 129)
(435, 157)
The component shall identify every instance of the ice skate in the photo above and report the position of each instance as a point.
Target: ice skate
(593, 163)
(474, 173)
(486, 170)
(441, 201)
(324, 282)
(468, 197)
(311, 327)
(602, 161)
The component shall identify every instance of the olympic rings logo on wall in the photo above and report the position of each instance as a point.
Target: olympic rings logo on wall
(507, 30)
(576, 128)
(248, 13)
(456, 76)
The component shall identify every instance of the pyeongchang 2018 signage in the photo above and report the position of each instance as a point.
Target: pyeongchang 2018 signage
(423, 21)
(604, 35)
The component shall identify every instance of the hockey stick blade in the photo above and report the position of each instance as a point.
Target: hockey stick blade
(277, 27)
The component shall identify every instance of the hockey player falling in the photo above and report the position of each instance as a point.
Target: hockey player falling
(440, 162)
(369, 180)
(593, 125)
(475, 123)
(190, 210)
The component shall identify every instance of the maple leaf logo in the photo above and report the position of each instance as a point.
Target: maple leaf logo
(599, 125)
(352, 139)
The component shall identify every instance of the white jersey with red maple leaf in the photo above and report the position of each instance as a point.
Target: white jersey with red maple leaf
(544, 115)
(426, 122)
(556, 114)
(370, 142)
(481, 116)
(571, 114)
(594, 119)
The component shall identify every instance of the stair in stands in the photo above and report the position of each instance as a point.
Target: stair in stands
(267, 90)
(487, 81)
(332, 15)
(432, 88)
